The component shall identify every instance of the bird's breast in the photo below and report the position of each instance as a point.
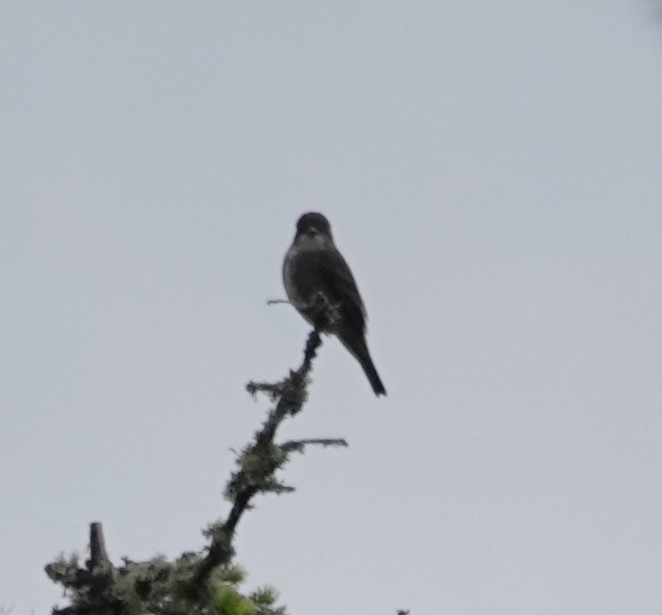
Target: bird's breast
(302, 282)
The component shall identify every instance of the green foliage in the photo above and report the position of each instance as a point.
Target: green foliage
(235, 574)
(228, 601)
(264, 596)
(160, 587)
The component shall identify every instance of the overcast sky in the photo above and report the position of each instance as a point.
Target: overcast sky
(493, 174)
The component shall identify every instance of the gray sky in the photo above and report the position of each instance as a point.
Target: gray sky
(493, 174)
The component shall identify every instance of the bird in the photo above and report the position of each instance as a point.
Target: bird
(320, 285)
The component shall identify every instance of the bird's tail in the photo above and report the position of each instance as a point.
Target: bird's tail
(359, 349)
(375, 381)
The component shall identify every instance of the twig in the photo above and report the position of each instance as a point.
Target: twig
(299, 445)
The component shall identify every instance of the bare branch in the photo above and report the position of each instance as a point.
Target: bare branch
(299, 445)
(260, 460)
(186, 585)
(98, 555)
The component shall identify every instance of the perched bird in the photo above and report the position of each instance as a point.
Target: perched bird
(320, 285)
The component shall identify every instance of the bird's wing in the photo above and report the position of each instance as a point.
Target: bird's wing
(341, 288)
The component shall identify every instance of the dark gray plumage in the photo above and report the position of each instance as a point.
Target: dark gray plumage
(319, 283)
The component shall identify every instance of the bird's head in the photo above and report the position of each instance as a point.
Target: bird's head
(313, 225)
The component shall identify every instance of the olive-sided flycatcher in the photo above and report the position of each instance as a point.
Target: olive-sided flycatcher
(320, 285)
